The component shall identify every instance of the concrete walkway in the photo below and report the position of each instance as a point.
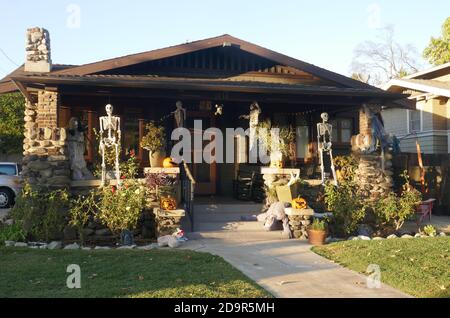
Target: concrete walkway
(286, 268)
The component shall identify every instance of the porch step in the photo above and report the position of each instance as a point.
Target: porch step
(210, 213)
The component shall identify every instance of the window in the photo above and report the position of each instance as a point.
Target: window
(8, 170)
(414, 120)
(342, 130)
(301, 137)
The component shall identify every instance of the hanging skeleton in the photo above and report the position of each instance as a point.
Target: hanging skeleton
(253, 118)
(111, 125)
(324, 130)
(179, 114)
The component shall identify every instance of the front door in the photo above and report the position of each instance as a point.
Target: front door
(203, 173)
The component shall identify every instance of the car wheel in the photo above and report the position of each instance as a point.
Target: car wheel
(6, 198)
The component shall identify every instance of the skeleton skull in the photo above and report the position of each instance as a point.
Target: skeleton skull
(324, 117)
(109, 109)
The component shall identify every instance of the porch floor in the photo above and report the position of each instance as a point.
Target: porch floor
(286, 268)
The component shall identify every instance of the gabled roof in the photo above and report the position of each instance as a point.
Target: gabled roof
(427, 86)
(433, 72)
(223, 40)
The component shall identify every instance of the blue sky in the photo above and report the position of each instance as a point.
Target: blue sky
(320, 32)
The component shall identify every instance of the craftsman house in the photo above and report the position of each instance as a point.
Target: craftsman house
(224, 71)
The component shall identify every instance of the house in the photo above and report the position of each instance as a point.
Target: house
(428, 125)
(222, 70)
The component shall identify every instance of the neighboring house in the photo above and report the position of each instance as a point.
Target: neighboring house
(222, 70)
(429, 123)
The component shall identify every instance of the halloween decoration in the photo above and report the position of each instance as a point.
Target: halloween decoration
(76, 148)
(299, 203)
(169, 163)
(324, 130)
(168, 203)
(278, 164)
(111, 125)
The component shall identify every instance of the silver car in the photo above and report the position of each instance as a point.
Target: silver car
(10, 183)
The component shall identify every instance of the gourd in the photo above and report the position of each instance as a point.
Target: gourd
(169, 163)
(299, 203)
(168, 203)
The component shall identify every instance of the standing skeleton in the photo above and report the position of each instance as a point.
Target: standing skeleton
(324, 130)
(110, 124)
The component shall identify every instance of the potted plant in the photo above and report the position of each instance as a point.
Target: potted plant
(153, 141)
(317, 232)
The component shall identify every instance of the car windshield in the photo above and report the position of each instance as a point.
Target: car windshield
(8, 170)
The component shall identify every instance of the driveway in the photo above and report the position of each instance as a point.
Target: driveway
(286, 268)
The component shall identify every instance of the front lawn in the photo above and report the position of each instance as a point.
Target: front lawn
(27, 272)
(419, 267)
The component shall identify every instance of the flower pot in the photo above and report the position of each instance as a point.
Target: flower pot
(156, 158)
(316, 237)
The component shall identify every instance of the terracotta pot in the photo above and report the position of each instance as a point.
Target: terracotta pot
(156, 158)
(316, 237)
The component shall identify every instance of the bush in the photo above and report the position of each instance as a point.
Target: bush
(12, 232)
(318, 225)
(41, 212)
(429, 230)
(82, 209)
(346, 206)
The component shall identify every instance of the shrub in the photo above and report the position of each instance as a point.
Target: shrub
(345, 168)
(120, 208)
(430, 230)
(41, 212)
(82, 209)
(346, 207)
(12, 232)
(155, 137)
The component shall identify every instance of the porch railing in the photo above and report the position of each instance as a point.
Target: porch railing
(187, 192)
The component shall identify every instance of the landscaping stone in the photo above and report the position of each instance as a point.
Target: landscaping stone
(20, 244)
(364, 237)
(406, 236)
(9, 243)
(102, 248)
(350, 238)
(442, 234)
(418, 235)
(355, 238)
(73, 246)
(148, 247)
(378, 238)
(43, 246)
(126, 247)
(392, 236)
(54, 245)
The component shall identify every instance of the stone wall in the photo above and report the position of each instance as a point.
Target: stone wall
(37, 47)
(45, 159)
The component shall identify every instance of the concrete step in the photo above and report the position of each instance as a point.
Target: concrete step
(228, 208)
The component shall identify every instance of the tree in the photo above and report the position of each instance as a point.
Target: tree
(438, 51)
(11, 122)
(378, 62)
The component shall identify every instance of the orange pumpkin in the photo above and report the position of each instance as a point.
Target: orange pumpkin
(299, 203)
(168, 203)
(169, 163)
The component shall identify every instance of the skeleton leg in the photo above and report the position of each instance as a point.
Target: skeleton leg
(117, 165)
(102, 148)
(333, 170)
(322, 168)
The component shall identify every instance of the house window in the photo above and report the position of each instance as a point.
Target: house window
(301, 137)
(342, 130)
(414, 120)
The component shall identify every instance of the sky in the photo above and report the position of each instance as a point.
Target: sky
(320, 32)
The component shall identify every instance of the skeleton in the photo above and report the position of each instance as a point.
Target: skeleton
(324, 130)
(180, 114)
(253, 118)
(111, 125)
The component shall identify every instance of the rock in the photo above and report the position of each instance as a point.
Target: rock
(406, 236)
(43, 246)
(48, 133)
(378, 238)
(364, 237)
(126, 247)
(442, 234)
(70, 233)
(418, 235)
(392, 236)
(54, 245)
(102, 248)
(103, 232)
(20, 244)
(173, 242)
(38, 165)
(73, 246)
(350, 238)
(148, 247)
(9, 243)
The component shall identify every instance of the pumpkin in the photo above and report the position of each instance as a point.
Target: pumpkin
(168, 203)
(276, 164)
(299, 203)
(169, 163)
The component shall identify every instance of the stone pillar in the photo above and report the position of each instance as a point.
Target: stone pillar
(45, 159)
(37, 48)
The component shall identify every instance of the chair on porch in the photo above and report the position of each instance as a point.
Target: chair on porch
(425, 208)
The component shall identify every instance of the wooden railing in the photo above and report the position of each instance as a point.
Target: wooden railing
(187, 192)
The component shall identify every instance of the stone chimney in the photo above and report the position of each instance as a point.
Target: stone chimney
(37, 47)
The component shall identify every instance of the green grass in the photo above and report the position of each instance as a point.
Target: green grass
(419, 267)
(135, 273)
